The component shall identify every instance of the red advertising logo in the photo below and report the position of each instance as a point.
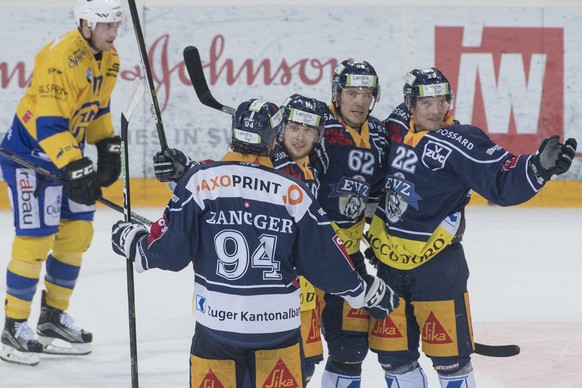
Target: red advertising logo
(509, 81)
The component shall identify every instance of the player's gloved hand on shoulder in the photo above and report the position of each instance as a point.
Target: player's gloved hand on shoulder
(170, 164)
(81, 183)
(380, 299)
(108, 160)
(124, 237)
(319, 157)
(553, 158)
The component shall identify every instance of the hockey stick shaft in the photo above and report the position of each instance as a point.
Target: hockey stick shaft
(148, 74)
(198, 79)
(49, 174)
(134, 100)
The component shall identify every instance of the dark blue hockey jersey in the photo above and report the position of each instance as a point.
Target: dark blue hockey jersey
(356, 173)
(429, 181)
(249, 230)
(306, 173)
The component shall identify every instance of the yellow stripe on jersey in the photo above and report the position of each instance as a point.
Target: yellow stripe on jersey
(307, 174)
(351, 236)
(361, 138)
(406, 254)
(238, 157)
(413, 137)
(61, 148)
(307, 294)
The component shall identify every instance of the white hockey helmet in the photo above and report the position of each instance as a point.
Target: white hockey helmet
(98, 11)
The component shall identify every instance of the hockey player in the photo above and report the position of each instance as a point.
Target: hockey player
(66, 105)
(352, 183)
(300, 141)
(416, 232)
(249, 231)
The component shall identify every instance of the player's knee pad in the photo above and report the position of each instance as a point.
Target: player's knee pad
(72, 240)
(461, 378)
(347, 349)
(407, 376)
(341, 375)
(344, 368)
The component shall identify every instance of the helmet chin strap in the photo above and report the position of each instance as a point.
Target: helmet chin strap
(90, 40)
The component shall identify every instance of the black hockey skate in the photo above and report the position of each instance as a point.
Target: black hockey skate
(19, 344)
(58, 333)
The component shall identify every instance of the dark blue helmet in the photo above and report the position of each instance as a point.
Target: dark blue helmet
(255, 124)
(303, 111)
(429, 82)
(354, 74)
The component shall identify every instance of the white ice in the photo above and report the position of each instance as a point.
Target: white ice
(525, 288)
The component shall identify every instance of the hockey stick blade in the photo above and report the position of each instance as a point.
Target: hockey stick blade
(497, 350)
(136, 96)
(196, 74)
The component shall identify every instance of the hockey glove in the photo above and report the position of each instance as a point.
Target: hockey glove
(81, 184)
(371, 257)
(124, 237)
(369, 252)
(553, 157)
(170, 165)
(319, 157)
(380, 299)
(108, 160)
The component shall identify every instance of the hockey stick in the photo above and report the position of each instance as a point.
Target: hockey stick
(196, 74)
(134, 100)
(49, 174)
(148, 73)
(497, 350)
(481, 349)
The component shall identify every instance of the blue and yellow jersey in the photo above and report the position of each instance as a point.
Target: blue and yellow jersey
(303, 171)
(429, 183)
(66, 104)
(248, 231)
(355, 176)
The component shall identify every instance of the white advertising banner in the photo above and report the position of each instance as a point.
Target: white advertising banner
(515, 70)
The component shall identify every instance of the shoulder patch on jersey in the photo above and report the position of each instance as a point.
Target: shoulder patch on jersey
(435, 155)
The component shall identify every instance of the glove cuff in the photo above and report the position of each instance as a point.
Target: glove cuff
(111, 145)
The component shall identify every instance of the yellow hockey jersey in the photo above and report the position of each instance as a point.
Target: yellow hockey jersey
(66, 104)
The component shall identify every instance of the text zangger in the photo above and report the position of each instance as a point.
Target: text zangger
(259, 221)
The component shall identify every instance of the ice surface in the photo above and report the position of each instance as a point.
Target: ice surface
(525, 288)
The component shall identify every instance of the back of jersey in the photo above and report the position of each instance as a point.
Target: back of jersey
(240, 222)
